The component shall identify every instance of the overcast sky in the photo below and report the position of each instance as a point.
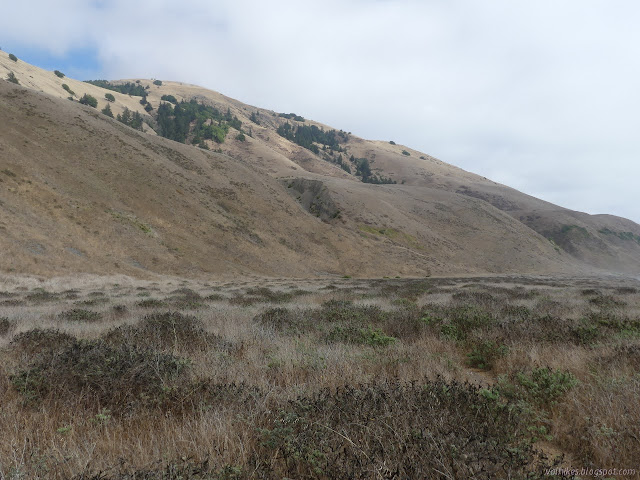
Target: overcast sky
(542, 95)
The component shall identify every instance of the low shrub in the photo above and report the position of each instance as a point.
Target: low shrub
(6, 326)
(13, 57)
(58, 73)
(485, 354)
(116, 377)
(432, 430)
(80, 315)
(110, 97)
(40, 341)
(167, 331)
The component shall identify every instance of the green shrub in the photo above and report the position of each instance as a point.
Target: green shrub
(169, 98)
(13, 57)
(67, 89)
(110, 97)
(542, 387)
(157, 82)
(89, 100)
(58, 73)
(485, 354)
(12, 78)
(404, 152)
(391, 142)
(240, 137)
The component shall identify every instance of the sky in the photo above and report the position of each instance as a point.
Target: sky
(542, 96)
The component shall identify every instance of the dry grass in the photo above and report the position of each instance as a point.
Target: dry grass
(303, 381)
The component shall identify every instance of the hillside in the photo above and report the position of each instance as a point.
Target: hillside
(82, 192)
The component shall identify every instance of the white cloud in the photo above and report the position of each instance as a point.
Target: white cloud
(539, 95)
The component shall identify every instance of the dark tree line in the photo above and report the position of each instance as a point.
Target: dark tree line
(127, 88)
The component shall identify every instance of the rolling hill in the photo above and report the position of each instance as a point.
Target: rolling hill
(279, 196)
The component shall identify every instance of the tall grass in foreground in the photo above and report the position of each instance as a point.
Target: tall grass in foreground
(355, 379)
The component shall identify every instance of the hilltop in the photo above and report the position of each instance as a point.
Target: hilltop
(250, 191)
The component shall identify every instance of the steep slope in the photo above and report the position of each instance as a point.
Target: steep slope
(82, 192)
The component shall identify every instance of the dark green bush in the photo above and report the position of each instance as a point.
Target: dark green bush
(67, 89)
(157, 82)
(240, 137)
(58, 73)
(404, 152)
(89, 100)
(110, 97)
(169, 98)
(13, 57)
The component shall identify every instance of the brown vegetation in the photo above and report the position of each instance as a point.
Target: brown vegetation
(436, 378)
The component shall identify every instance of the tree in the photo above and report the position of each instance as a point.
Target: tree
(110, 97)
(89, 100)
(13, 57)
(157, 82)
(107, 111)
(59, 73)
(254, 118)
(12, 78)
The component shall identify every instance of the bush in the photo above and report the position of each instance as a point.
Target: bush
(80, 315)
(13, 57)
(6, 326)
(67, 89)
(169, 98)
(12, 78)
(110, 97)
(391, 430)
(157, 82)
(391, 142)
(167, 331)
(110, 376)
(40, 341)
(240, 137)
(485, 354)
(58, 73)
(404, 152)
(89, 100)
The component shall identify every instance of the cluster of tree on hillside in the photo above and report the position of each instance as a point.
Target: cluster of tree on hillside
(338, 160)
(363, 170)
(309, 136)
(291, 116)
(196, 120)
(126, 88)
(131, 119)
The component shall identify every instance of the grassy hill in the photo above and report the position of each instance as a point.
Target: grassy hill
(82, 192)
